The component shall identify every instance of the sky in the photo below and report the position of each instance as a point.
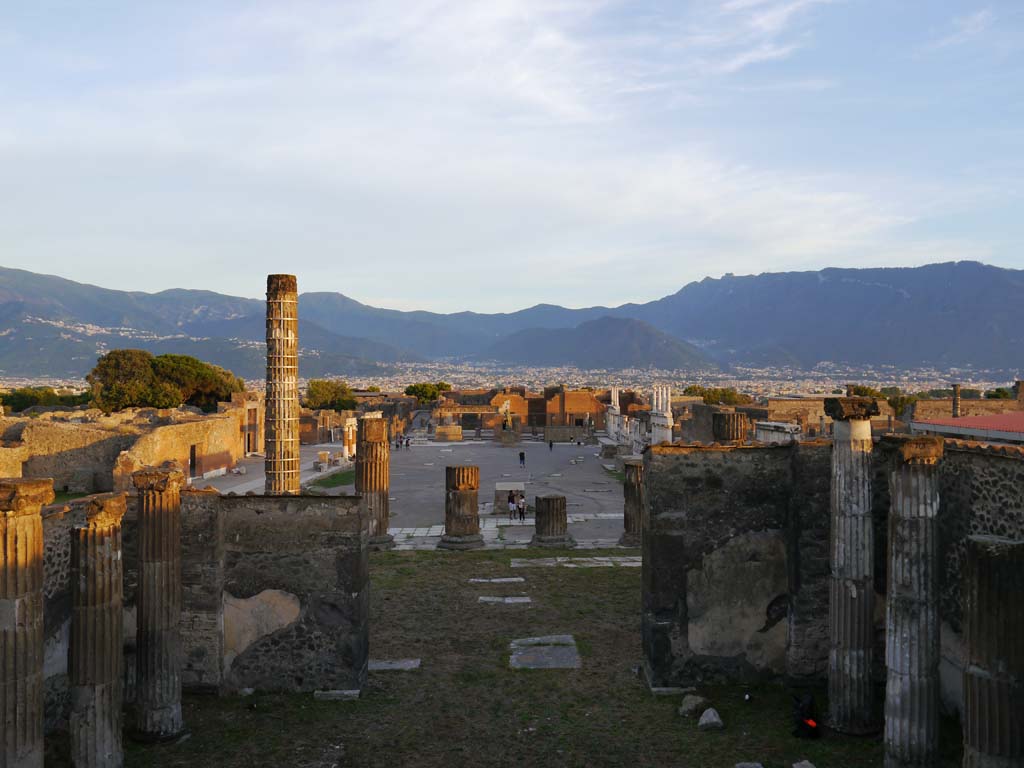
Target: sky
(492, 155)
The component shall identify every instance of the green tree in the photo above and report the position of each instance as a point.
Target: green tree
(863, 390)
(1000, 393)
(329, 394)
(201, 384)
(19, 399)
(373, 388)
(123, 378)
(427, 392)
(718, 395)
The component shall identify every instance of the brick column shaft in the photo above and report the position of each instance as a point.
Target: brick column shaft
(912, 614)
(461, 509)
(373, 457)
(159, 650)
(21, 621)
(851, 592)
(95, 655)
(633, 502)
(993, 718)
(282, 419)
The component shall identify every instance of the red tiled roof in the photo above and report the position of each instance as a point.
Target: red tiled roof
(1011, 421)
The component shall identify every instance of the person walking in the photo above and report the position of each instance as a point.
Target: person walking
(551, 445)
(522, 508)
(511, 505)
(522, 459)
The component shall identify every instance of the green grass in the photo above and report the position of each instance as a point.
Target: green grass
(63, 497)
(466, 707)
(336, 479)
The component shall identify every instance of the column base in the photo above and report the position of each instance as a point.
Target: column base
(629, 540)
(381, 543)
(553, 542)
(473, 541)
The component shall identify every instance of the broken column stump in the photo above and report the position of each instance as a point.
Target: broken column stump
(282, 400)
(912, 612)
(373, 456)
(633, 503)
(551, 527)
(852, 560)
(993, 717)
(461, 510)
(730, 427)
(95, 654)
(158, 638)
(21, 621)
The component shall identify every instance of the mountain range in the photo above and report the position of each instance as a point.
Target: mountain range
(944, 315)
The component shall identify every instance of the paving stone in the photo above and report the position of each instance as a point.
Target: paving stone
(527, 642)
(504, 600)
(502, 580)
(710, 720)
(749, 765)
(692, 704)
(550, 652)
(398, 665)
(803, 764)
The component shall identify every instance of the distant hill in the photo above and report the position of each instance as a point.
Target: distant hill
(607, 342)
(946, 315)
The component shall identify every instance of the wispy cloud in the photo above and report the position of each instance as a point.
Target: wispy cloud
(965, 29)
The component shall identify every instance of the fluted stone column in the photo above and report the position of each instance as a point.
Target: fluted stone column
(912, 611)
(852, 559)
(461, 510)
(993, 717)
(95, 654)
(373, 456)
(730, 427)
(282, 419)
(633, 506)
(21, 621)
(551, 525)
(159, 650)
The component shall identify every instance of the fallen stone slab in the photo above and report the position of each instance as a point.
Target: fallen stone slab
(803, 764)
(692, 704)
(397, 665)
(337, 695)
(749, 765)
(504, 600)
(710, 720)
(503, 580)
(547, 652)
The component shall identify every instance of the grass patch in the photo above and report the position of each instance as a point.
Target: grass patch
(336, 479)
(464, 706)
(63, 497)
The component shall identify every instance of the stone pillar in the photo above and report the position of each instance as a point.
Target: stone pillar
(282, 419)
(95, 654)
(852, 560)
(373, 457)
(632, 512)
(551, 524)
(993, 717)
(956, 401)
(730, 427)
(158, 637)
(21, 621)
(912, 610)
(461, 511)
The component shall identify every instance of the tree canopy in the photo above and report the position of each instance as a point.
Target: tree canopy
(427, 392)
(718, 395)
(329, 394)
(26, 397)
(134, 378)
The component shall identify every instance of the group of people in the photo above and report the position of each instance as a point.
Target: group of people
(516, 505)
(400, 441)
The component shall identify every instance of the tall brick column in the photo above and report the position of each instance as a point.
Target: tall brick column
(461, 510)
(373, 456)
(632, 512)
(730, 427)
(852, 560)
(282, 419)
(912, 611)
(551, 527)
(95, 655)
(21, 621)
(159, 651)
(993, 717)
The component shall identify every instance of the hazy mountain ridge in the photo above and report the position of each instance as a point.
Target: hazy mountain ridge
(950, 314)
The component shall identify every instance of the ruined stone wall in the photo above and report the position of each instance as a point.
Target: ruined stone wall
(808, 411)
(943, 408)
(217, 439)
(79, 457)
(11, 458)
(699, 427)
(294, 592)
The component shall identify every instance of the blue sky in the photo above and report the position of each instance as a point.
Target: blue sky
(492, 155)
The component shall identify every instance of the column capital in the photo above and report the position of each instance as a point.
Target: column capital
(105, 510)
(282, 284)
(923, 449)
(850, 408)
(22, 495)
(160, 479)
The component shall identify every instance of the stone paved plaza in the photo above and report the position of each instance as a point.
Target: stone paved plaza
(594, 496)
